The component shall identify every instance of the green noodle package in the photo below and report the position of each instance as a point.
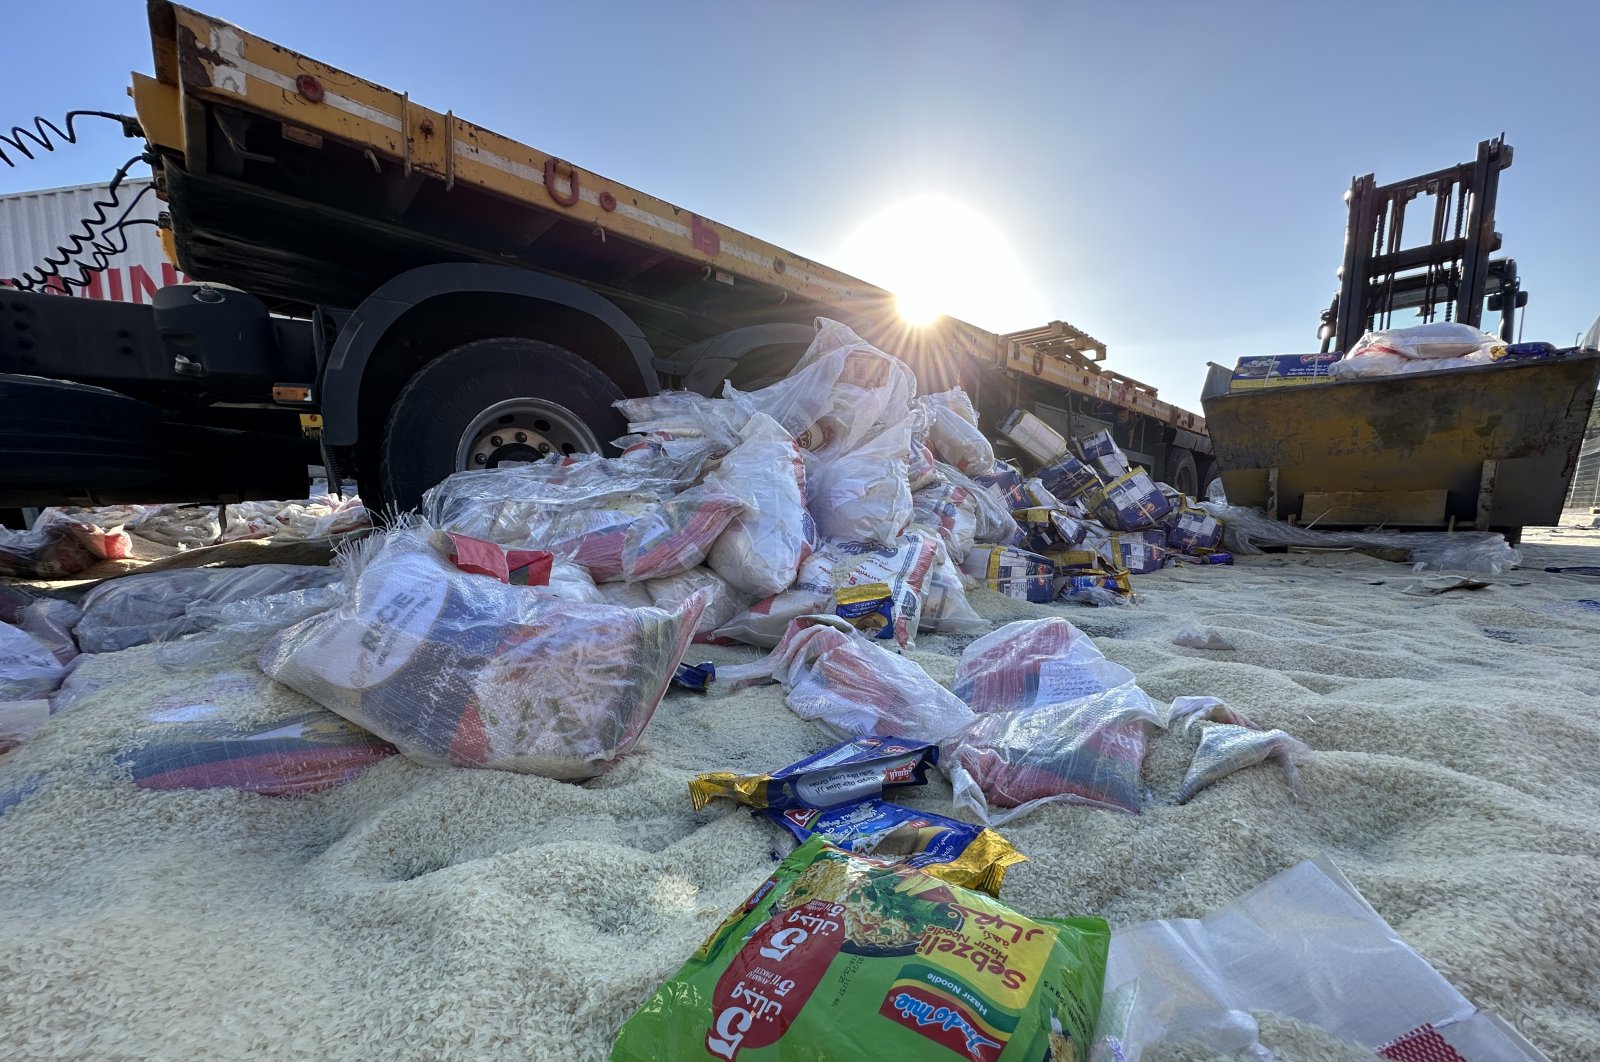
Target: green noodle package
(839, 955)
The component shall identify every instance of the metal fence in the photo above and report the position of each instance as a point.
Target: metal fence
(1585, 490)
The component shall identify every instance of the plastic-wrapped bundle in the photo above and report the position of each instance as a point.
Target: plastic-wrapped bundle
(1067, 478)
(842, 391)
(62, 542)
(677, 534)
(312, 518)
(955, 436)
(1101, 450)
(628, 595)
(1032, 662)
(684, 423)
(724, 603)
(945, 609)
(195, 747)
(762, 548)
(905, 567)
(1142, 552)
(1193, 529)
(951, 512)
(921, 471)
(1004, 484)
(161, 606)
(1246, 530)
(994, 522)
(863, 495)
(1131, 502)
(1225, 748)
(1040, 496)
(1013, 572)
(458, 669)
(1086, 751)
(51, 620)
(852, 686)
(28, 669)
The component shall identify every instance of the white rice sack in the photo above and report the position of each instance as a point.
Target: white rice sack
(863, 495)
(955, 436)
(945, 609)
(761, 549)
(725, 604)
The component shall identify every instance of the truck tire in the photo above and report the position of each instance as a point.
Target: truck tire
(488, 403)
(75, 436)
(1180, 471)
(1210, 472)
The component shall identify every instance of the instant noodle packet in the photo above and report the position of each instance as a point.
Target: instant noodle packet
(839, 955)
(869, 608)
(849, 771)
(960, 853)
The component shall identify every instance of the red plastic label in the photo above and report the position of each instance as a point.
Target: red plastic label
(772, 977)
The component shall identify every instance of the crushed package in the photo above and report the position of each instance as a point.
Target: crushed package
(838, 955)
(696, 677)
(1004, 485)
(850, 771)
(1013, 572)
(869, 608)
(974, 857)
(1097, 588)
(1193, 531)
(1142, 552)
(1131, 502)
(1067, 478)
(1100, 450)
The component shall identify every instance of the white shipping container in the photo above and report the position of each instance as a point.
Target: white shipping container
(34, 224)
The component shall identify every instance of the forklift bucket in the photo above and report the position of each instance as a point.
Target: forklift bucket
(1490, 447)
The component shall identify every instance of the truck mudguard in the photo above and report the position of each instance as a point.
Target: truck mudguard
(340, 387)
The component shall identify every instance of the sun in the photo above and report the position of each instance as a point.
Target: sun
(941, 257)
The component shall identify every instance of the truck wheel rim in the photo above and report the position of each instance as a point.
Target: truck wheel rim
(521, 431)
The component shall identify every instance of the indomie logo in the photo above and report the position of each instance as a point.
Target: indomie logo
(942, 1022)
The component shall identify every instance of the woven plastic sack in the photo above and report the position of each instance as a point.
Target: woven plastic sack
(1306, 945)
(955, 437)
(905, 567)
(951, 512)
(863, 495)
(763, 546)
(461, 670)
(1086, 751)
(722, 605)
(62, 543)
(852, 686)
(160, 606)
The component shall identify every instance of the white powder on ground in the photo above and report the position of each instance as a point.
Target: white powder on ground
(434, 913)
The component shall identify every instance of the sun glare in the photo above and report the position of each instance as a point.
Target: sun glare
(941, 257)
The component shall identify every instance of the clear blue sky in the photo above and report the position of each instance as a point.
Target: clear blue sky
(1168, 176)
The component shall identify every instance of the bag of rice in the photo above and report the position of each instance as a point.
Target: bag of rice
(461, 670)
(763, 546)
(955, 436)
(838, 955)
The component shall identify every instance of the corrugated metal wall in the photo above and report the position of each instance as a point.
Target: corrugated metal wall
(34, 224)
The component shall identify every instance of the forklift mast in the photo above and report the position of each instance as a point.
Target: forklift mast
(1450, 274)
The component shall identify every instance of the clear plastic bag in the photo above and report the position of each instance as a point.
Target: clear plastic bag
(1032, 662)
(1246, 530)
(863, 495)
(1434, 340)
(1304, 944)
(462, 670)
(157, 606)
(28, 669)
(955, 437)
(1225, 748)
(64, 542)
(945, 609)
(842, 391)
(761, 550)
(1085, 751)
(51, 620)
(905, 567)
(852, 686)
(683, 422)
(676, 535)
